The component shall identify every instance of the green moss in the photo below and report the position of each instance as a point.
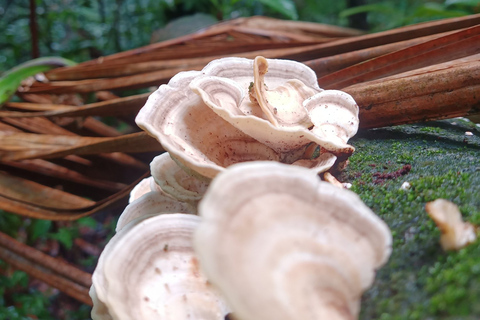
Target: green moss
(420, 281)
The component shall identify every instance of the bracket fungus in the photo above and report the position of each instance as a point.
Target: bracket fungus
(145, 186)
(175, 181)
(148, 270)
(288, 246)
(235, 111)
(456, 234)
(153, 203)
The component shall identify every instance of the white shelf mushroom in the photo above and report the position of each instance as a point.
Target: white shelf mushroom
(175, 181)
(281, 244)
(283, 113)
(153, 203)
(235, 111)
(148, 270)
(143, 187)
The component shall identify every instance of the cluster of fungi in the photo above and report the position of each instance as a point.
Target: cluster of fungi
(235, 217)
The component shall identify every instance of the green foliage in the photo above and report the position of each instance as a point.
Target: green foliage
(11, 79)
(22, 306)
(24, 303)
(396, 13)
(81, 30)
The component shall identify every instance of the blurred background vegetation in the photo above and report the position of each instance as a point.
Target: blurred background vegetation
(84, 29)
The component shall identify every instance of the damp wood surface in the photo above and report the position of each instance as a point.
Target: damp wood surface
(420, 281)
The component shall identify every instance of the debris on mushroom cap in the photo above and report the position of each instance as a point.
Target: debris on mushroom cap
(153, 203)
(328, 177)
(149, 271)
(279, 243)
(456, 234)
(283, 104)
(175, 181)
(196, 138)
(290, 105)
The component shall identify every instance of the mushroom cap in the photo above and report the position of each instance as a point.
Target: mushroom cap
(206, 121)
(153, 203)
(149, 271)
(175, 181)
(99, 310)
(289, 114)
(456, 234)
(280, 243)
(196, 138)
(146, 185)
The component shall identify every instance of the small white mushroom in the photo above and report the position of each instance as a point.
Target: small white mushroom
(281, 244)
(175, 181)
(456, 234)
(149, 271)
(143, 187)
(99, 310)
(153, 203)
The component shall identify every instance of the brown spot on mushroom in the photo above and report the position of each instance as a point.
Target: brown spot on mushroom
(195, 267)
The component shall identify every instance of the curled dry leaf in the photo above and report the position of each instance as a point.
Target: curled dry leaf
(456, 234)
(148, 270)
(282, 244)
(235, 111)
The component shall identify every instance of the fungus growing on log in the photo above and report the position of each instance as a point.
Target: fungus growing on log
(149, 270)
(281, 244)
(176, 182)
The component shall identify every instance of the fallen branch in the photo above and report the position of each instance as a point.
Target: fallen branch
(54, 272)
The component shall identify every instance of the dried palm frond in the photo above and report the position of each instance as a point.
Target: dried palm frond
(60, 161)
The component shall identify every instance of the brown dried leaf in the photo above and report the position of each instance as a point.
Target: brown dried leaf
(114, 107)
(33, 193)
(19, 146)
(449, 47)
(441, 91)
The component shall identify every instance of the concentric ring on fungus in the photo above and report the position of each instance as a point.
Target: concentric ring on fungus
(280, 244)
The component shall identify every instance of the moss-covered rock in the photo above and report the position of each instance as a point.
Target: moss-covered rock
(420, 281)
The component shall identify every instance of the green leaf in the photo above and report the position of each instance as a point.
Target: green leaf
(19, 278)
(87, 222)
(11, 79)
(380, 8)
(10, 223)
(38, 228)
(284, 7)
(469, 3)
(64, 236)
